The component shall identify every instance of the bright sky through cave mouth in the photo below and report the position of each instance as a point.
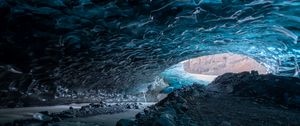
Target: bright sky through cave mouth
(205, 69)
(219, 64)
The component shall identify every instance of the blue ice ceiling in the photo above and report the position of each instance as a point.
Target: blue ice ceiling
(102, 44)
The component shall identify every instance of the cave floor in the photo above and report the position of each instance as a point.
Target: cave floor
(10, 114)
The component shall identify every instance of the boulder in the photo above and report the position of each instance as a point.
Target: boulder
(125, 122)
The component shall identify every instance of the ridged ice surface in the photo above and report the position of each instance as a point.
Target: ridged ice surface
(116, 45)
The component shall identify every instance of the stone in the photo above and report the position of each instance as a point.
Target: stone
(279, 89)
(182, 108)
(129, 106)
(181, 100)
(136, 107)
(56, 119)
(94, 105)
(67, 114)
(125, 122)
(165, 119)
(139, 115)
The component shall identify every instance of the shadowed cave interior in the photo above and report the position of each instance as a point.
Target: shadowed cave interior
(149, 62)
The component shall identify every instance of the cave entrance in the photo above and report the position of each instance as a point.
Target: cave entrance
(205, 69)
(200, 70)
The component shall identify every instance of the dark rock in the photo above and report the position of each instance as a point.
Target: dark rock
(181, 100)
(245, 87)
(181, 108)
(125, 122)
(280, 89)
(139, 115)
(165, 119)
(56, 119)
(102, 104)
(45, 112)
(136, 107)
(66, 114)
(11, 104)
(129, 106)
(94, 105)
(132, 106)
(147, 110)
(169, 110)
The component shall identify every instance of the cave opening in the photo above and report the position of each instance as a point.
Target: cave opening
(149, 62)
(204, 69)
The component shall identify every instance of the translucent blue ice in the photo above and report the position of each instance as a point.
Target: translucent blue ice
(128, 42)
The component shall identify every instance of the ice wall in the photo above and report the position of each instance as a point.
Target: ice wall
(116, 44)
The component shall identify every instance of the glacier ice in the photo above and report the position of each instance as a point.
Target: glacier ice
(90, 44)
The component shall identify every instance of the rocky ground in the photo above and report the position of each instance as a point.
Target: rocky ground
(244, 99)
(91, 114)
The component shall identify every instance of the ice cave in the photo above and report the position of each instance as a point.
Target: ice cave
(149, 62)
